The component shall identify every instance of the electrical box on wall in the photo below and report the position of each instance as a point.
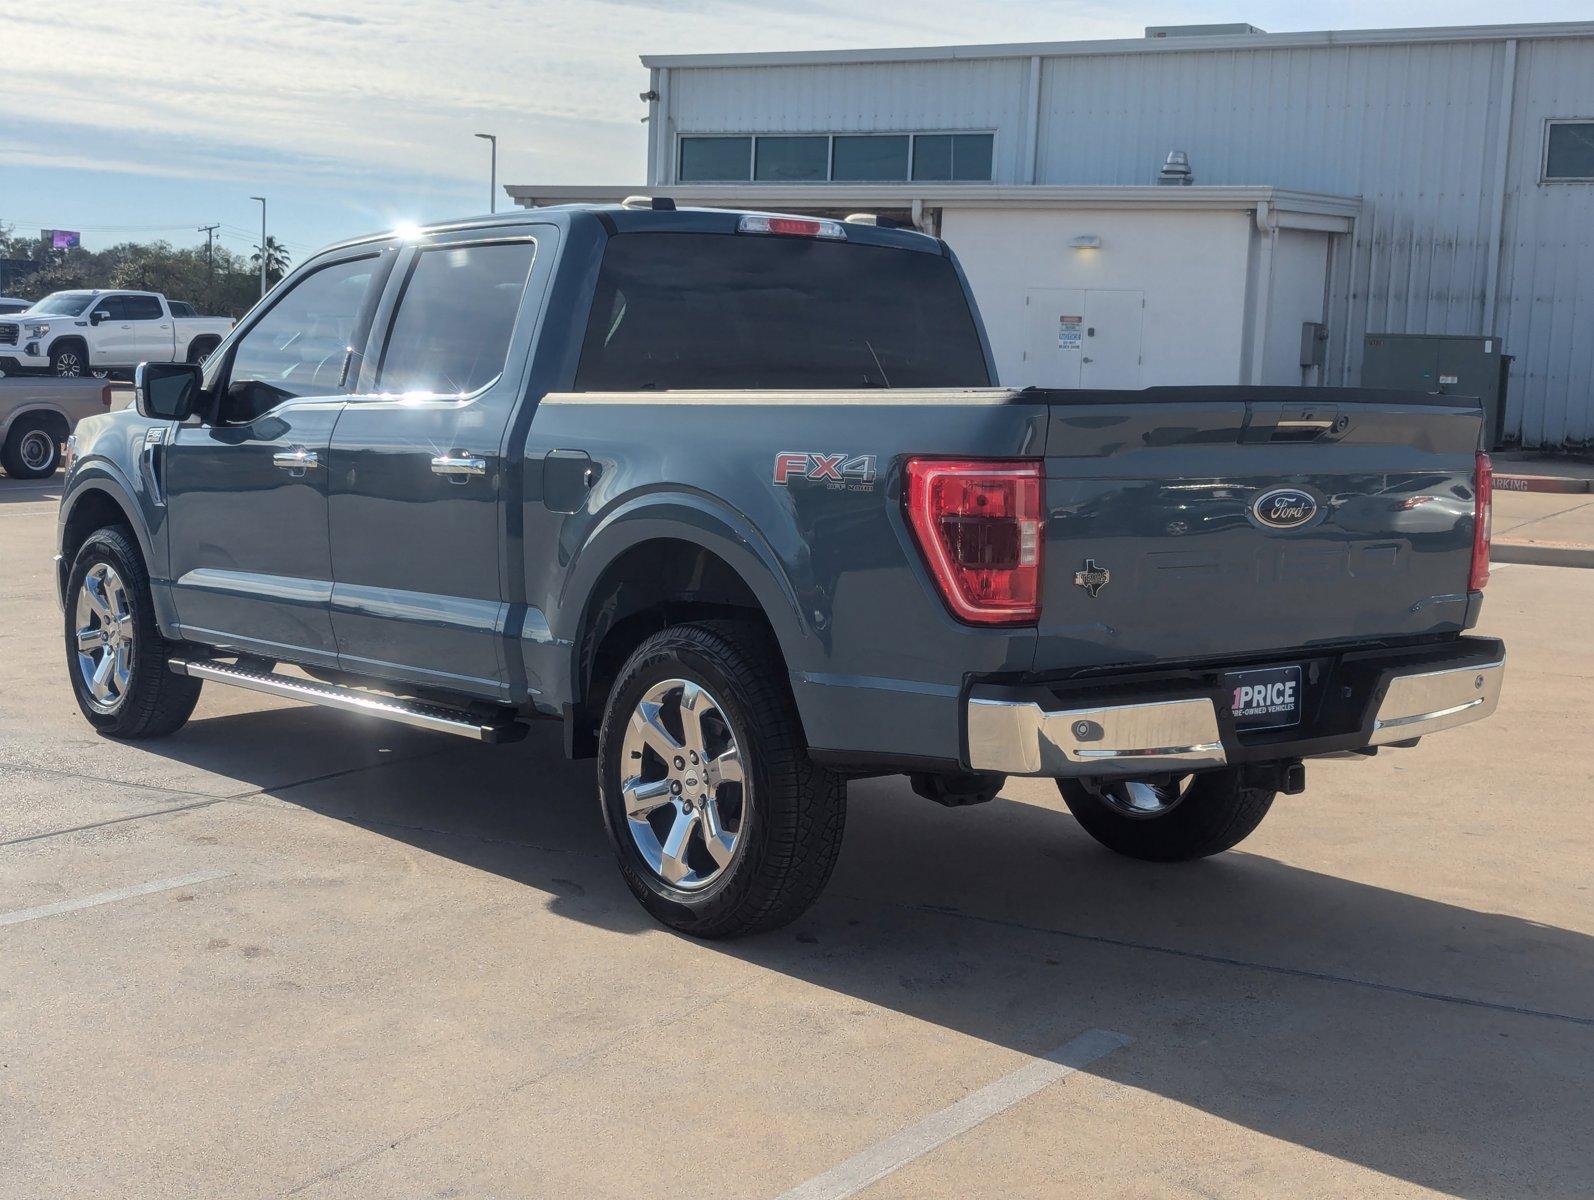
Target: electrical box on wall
(1442, 364)
(1314, 344)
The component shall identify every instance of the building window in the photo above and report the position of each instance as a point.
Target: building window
(870, 158)
(791, 159)
(716, 159)
(1569, 150)
(842, 157)
(962, 157)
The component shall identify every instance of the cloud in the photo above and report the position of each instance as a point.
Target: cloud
(398, 86)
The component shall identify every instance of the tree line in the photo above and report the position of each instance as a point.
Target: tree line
(218, 282)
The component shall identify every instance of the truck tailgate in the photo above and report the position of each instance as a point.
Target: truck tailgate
(1231, 522)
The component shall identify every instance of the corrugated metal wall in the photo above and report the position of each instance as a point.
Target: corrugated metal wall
(1413, 128)
(1547, 263)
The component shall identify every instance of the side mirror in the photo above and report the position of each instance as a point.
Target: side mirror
(98, 315)
(166, 391)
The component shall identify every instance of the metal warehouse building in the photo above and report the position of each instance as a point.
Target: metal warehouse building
(1379, 181)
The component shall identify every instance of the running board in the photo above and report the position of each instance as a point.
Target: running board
(392, 708)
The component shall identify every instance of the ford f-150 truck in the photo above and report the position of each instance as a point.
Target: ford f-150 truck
(734, 497)
(92, 332)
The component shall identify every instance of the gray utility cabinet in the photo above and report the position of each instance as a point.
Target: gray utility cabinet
(1451, 366)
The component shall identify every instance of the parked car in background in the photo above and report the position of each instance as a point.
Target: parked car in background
(76, 333)
(38, 415)
(10, 304)
(734, 496)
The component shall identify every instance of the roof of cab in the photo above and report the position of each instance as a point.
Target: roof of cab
(619, 218)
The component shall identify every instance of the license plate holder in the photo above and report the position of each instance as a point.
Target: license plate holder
(1266, 698)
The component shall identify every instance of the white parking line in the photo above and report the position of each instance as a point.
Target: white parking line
(138, 889)
(882, 1158)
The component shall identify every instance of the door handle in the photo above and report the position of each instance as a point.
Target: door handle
(458, 464)
(1087, 360)
(296, 461)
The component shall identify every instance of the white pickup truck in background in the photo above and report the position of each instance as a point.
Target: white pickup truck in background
(84, 332)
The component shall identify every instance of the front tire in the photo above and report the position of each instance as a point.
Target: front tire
(116, 656)
(1171, 821)
(721, 822)
(70, 361)
(32, 448)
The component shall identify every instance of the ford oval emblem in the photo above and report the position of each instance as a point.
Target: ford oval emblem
(1284, 508)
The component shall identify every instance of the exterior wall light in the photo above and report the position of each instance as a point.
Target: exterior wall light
(1086, 241)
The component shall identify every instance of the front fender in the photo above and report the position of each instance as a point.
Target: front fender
(102, 477)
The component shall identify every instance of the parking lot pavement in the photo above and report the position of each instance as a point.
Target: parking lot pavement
(286, 952)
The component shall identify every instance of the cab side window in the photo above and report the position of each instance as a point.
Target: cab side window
(450, 333)
(140, 308)
(303, 343)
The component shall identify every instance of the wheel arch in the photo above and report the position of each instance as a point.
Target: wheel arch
(69, 339)
(201, 342)
(33, 407)
(93, 504)
(660, 561)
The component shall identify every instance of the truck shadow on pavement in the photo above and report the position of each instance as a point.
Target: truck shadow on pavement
(1436, 1044)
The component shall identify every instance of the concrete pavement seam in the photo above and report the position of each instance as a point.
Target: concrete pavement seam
(159, 812)
(1226, 961)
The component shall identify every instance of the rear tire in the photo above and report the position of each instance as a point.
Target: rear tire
(32, 448)
(1207, 814)
(775, 816)
(113, 616)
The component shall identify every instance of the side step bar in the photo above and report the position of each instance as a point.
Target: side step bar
(460, 722)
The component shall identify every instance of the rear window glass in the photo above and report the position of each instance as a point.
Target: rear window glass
(689, 310)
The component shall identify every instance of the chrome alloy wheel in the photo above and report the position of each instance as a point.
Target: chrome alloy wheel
(68, 365)
(1136, 798)
(104, 623)
(37, 450)
(683, 783)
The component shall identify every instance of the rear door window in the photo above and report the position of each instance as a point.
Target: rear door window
(141, 308)
(450, 333)
(687, 310)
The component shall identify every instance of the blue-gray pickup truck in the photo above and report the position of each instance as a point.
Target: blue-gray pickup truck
(734, 496)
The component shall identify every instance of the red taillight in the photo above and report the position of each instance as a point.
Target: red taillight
(1482, 521)
(105, 395)
(979, 526)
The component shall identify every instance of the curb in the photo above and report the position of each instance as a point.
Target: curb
(1542, 554)
(1541, 483)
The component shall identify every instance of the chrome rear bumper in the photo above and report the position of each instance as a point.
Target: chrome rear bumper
(1026, 737)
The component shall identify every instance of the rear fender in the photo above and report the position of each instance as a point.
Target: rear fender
(680, 516)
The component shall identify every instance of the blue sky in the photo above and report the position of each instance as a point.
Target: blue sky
(149, 120)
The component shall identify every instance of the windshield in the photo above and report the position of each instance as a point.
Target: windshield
(62, 304)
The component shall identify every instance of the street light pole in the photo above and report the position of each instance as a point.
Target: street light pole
(492, 187)
(262, 200)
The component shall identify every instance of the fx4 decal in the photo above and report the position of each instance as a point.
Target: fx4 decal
(854, 472)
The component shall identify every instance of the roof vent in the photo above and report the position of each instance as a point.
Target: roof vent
(1176, 171)
(1237, 29)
